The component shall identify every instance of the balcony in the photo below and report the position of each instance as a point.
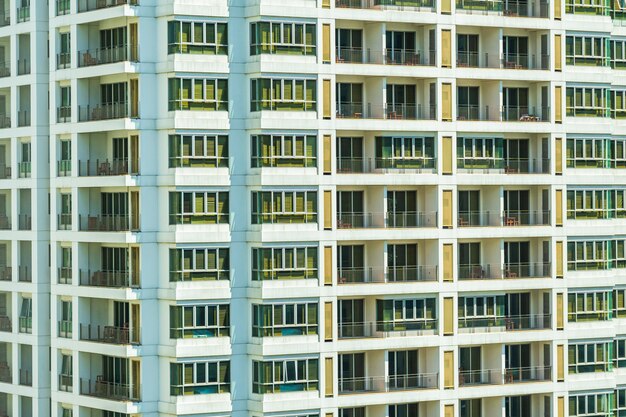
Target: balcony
(504, 323)
(386, 112)
(5, 69)
(5, 323)
(23, 12)
(509, 9)
(525, 114)
(505, 218)
(6, 273)
(382, 329)
(470, 59)
(26, 377)
(388, 383)
(504, 376)
(109, 334)
(386, 4)
(64, 221)
(108, 223)
(103, 167)
(406, 57)
(66, 383)
(525, 61)
(101, 388)
(101, 56)
(476, 113)
(64, 114)
(64, 329)
(89, 5)
(109, 279)
(103, 112)
(6, 375)
(423, 273)
(506, 166)
(64, 275)
(5, 121)
(386, 220)
(386, 165)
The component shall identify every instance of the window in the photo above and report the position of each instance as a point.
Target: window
(198, 151)
(284, 263)
(66, 412)
(283, 94)
(586, 50)
(65, 322)
(197, 37)
(470, 408)
(405, 152)
(285, 375)
(618, 151)
(297, 319)
(481, 311)
(352, 412)
(479, 153)
(198, 94)
(199, 264)
(620, 402)
(586, 101)
(619, 300)
(349, 45)
(400, 48)
(597, 7)
(596, 404)
(468, 103)
(199, 207)
(26, 315)
(467, 54)
(404, 410)
(588, 255)
(589, 306)
(588, 204)
(64, 112)
(284, 151)
(401, 102)
(65, 270)
(64, 57)
(618, 53)
(282, 38)
(587, 152)
(408, 314)
(618, 103)
(590, 357)
(65, 212)
(114, 93)
(196, 378)
(284, 207)
(199, 321)
(619, 350)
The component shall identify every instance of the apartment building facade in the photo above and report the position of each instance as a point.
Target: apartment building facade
(321, 208)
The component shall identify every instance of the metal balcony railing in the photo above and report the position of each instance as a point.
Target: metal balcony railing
(386, 4)
(66, 382)
(23, 12)
(24, 169)
(64, 114)
(390, 111)
(89, 5)
(109, 334)
(107, 223)
(101, 56)
(470, 59)
(64, 221)
(480, 377)
(476, 113)
(115, 391)
(382, 165)
(110, 279)
(388, 383)
(23, 118)
(5, 324)
(103, 167)
(6, 273)
(418, 273)
(24, 274)
(525, 61)
(383, 329)
(525, 218)
(504, 323)
(64, 275)
(5, 373)
(24, 222)
(5, 69)
(23, 66)
(64, 329)
(64, 168)
(103, 112)
(504, 376)
(409, 219)
(26, 377)
(5, 121)
(525, 114)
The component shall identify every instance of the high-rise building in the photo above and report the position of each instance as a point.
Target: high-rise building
(313, 208)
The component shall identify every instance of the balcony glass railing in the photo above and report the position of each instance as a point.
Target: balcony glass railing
(103, 167)
(64, 329)
(108, 223)
(101, 56)
(103, 112)
(397, 111)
